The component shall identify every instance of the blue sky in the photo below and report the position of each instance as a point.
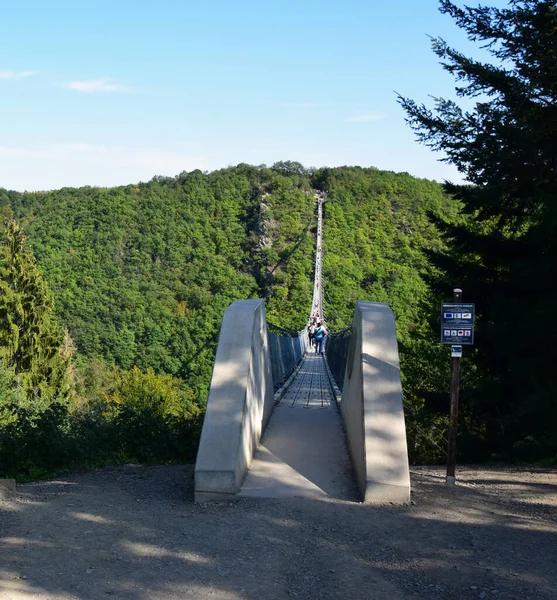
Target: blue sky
(109, 92)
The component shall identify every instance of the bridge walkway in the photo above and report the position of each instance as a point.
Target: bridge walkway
(303, 452)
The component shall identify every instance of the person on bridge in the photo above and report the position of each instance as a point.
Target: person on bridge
(311, 332)
(319, 335)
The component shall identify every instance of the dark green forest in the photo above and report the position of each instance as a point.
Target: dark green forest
(504, 254)
(111, 299)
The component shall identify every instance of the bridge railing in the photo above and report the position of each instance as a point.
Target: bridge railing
(287, 349)
(336, 350)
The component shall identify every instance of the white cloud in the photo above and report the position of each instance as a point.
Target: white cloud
(375, 116)
(14, 75)
(96, 85)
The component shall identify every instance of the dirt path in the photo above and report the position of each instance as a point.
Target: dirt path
(134, 532)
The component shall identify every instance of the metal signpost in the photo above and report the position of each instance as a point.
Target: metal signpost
(457, 329)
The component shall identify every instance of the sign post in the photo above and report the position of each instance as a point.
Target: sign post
(457, 329)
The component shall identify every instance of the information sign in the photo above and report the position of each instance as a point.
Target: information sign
(457, 324)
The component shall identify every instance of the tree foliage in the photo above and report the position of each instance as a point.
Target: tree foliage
(33, 347)
(505, 256)
(142, 274)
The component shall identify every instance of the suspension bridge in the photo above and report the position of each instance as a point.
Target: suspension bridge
(284, 421)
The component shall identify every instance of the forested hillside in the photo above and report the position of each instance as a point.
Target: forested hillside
(140, 277)
(142, 274)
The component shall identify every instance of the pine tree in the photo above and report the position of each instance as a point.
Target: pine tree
(506, 258)
(32, 343)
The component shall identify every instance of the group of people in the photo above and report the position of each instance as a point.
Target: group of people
(316, 333)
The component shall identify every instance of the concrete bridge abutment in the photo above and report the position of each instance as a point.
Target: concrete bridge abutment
(372, 409)
(239, 405)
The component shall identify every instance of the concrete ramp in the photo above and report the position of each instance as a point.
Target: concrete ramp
(303, 452)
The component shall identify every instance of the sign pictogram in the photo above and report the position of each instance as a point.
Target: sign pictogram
(457, 324)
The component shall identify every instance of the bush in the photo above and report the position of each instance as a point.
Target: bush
(35, 444)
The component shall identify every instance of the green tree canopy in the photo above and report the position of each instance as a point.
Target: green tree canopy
(506, 257)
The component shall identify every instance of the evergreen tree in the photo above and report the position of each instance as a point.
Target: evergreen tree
(506, 257)
(33, 345)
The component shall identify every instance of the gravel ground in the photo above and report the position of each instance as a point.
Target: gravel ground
(134, 532)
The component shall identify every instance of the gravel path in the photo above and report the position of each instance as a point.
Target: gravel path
(134, 532)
